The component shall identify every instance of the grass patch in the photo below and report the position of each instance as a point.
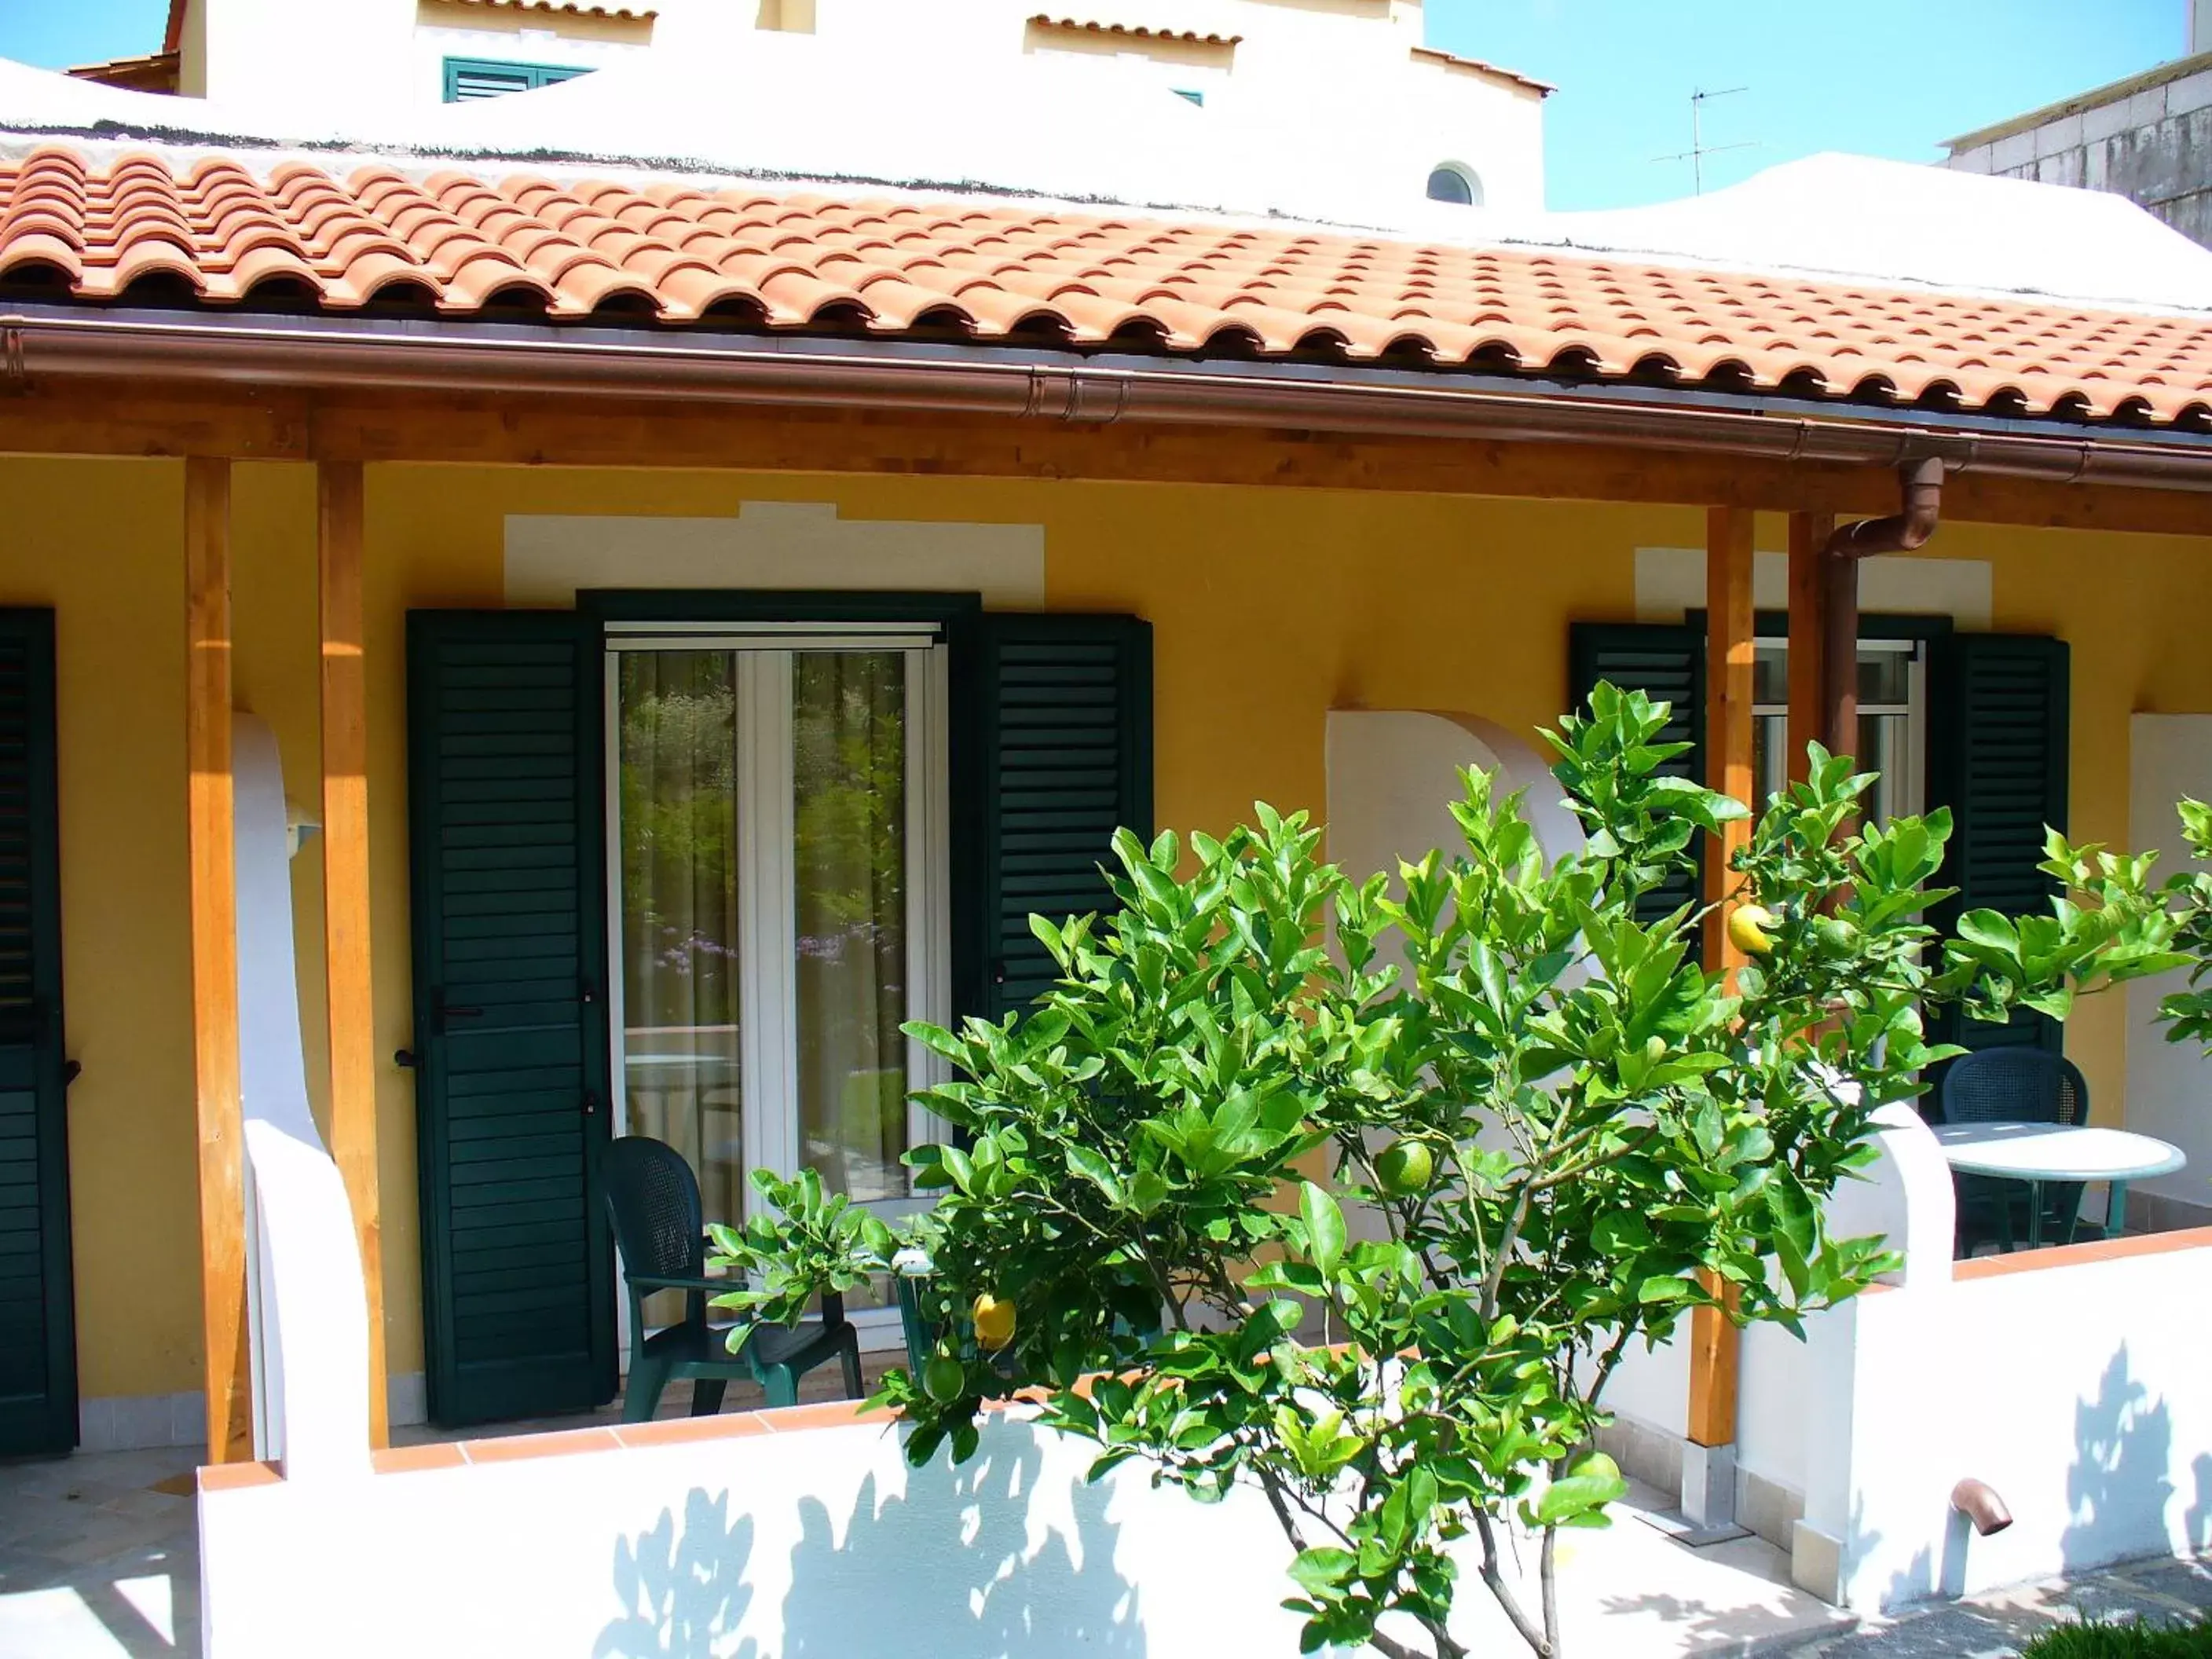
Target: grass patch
(2130, 1641)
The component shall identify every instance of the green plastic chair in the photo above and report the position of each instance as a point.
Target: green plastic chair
(2019, 1084)
(653, 1197)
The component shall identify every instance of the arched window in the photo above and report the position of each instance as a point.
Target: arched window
(1450, 182)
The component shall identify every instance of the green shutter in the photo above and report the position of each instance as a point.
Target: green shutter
(507, 840)
(467, 79)
(1065, 714)
(1997, 706)
(38, 1328)
(1666, 662)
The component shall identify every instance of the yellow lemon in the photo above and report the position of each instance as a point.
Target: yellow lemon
(1405, 1166)
(1747, 926)
(994, 1322)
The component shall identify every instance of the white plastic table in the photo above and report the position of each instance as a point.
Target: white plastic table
(2038, 1152)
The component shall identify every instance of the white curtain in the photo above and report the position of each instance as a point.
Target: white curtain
(849, 767)
(678, 760)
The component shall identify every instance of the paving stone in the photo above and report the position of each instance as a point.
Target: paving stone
(2188, 1581)
(2114, 1600)
(1946, 1634)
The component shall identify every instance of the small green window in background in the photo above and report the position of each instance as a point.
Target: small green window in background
(1198, 98)
(469, 78)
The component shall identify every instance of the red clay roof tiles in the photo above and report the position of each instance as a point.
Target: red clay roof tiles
(1135, 30)
(991, 270)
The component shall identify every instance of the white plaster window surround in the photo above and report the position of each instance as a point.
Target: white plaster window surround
(774, 545)
(1670, 580)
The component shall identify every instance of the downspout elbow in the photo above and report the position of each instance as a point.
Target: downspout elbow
(1978, 1502)
(1920, 485)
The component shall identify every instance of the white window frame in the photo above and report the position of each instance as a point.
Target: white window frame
(1909, 791)
(766, 902)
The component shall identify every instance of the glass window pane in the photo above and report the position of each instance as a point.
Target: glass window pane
(1885, 676)
(1770, 674)
(848, 769)
(1769, 757)
(677, 711)
(1881, 749)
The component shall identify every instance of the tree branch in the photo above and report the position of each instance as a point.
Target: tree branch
(1503, 1592)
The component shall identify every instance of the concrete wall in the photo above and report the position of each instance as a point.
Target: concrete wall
(2073, 1381)
(2148, 138)
(2079, 1389)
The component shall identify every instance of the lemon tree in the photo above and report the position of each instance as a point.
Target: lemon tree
(1569, 1133)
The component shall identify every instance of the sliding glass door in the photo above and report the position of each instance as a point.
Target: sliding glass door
(778, 808)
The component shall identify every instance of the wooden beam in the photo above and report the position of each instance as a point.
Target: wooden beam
(351, 993)
(214, 910)
(1808, 638)
(133, 419)
(489, 430)
(1730, 627)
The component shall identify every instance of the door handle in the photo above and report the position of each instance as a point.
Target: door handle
(442, 1012)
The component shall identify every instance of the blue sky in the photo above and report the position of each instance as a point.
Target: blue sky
(1881, 77)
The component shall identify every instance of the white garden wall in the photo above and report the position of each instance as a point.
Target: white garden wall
(2079, 1388)
(2076, 1382)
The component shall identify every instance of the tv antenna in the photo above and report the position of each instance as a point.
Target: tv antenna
(1698, 149)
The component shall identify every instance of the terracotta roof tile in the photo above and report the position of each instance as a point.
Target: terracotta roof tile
(460, 242)
(1135, 31)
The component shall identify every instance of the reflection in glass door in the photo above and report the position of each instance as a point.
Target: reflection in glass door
(778, 804)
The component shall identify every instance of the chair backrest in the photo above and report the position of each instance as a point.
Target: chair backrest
(2014, 1085)
(654, 1199)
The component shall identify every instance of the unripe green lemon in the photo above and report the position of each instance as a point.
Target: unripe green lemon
(1405, 1166)
(994, 1322)
(1596, 1463)
(944, 1379)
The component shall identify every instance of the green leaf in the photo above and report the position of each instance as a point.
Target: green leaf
(1096, 1170)
(1578, 1494)
(1319, 1571)
(1324, 1227)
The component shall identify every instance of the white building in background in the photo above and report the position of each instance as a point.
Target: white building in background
(1331, 107)
(2147, 137)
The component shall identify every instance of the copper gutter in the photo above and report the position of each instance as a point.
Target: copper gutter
(927, 378)
(1920, 481)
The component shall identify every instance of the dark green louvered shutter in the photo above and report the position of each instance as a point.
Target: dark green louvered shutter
(468, 79)
(1666, 663)
(506, 813)
(38, 1328)
(1997, 725)
(1066, 710)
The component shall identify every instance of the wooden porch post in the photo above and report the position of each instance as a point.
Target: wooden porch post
(214, 910)
(1808, 635)
(345, 897)
(1729, 625)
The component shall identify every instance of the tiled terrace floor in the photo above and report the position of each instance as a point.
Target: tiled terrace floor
(99, 1554)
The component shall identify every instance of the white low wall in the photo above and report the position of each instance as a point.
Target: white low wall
(2080, 1388)
(815, 1542)
(2078, 1383)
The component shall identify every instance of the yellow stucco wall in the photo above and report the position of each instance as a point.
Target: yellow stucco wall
(1268, 608)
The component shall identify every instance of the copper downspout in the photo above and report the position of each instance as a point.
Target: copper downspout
(1922, 485)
